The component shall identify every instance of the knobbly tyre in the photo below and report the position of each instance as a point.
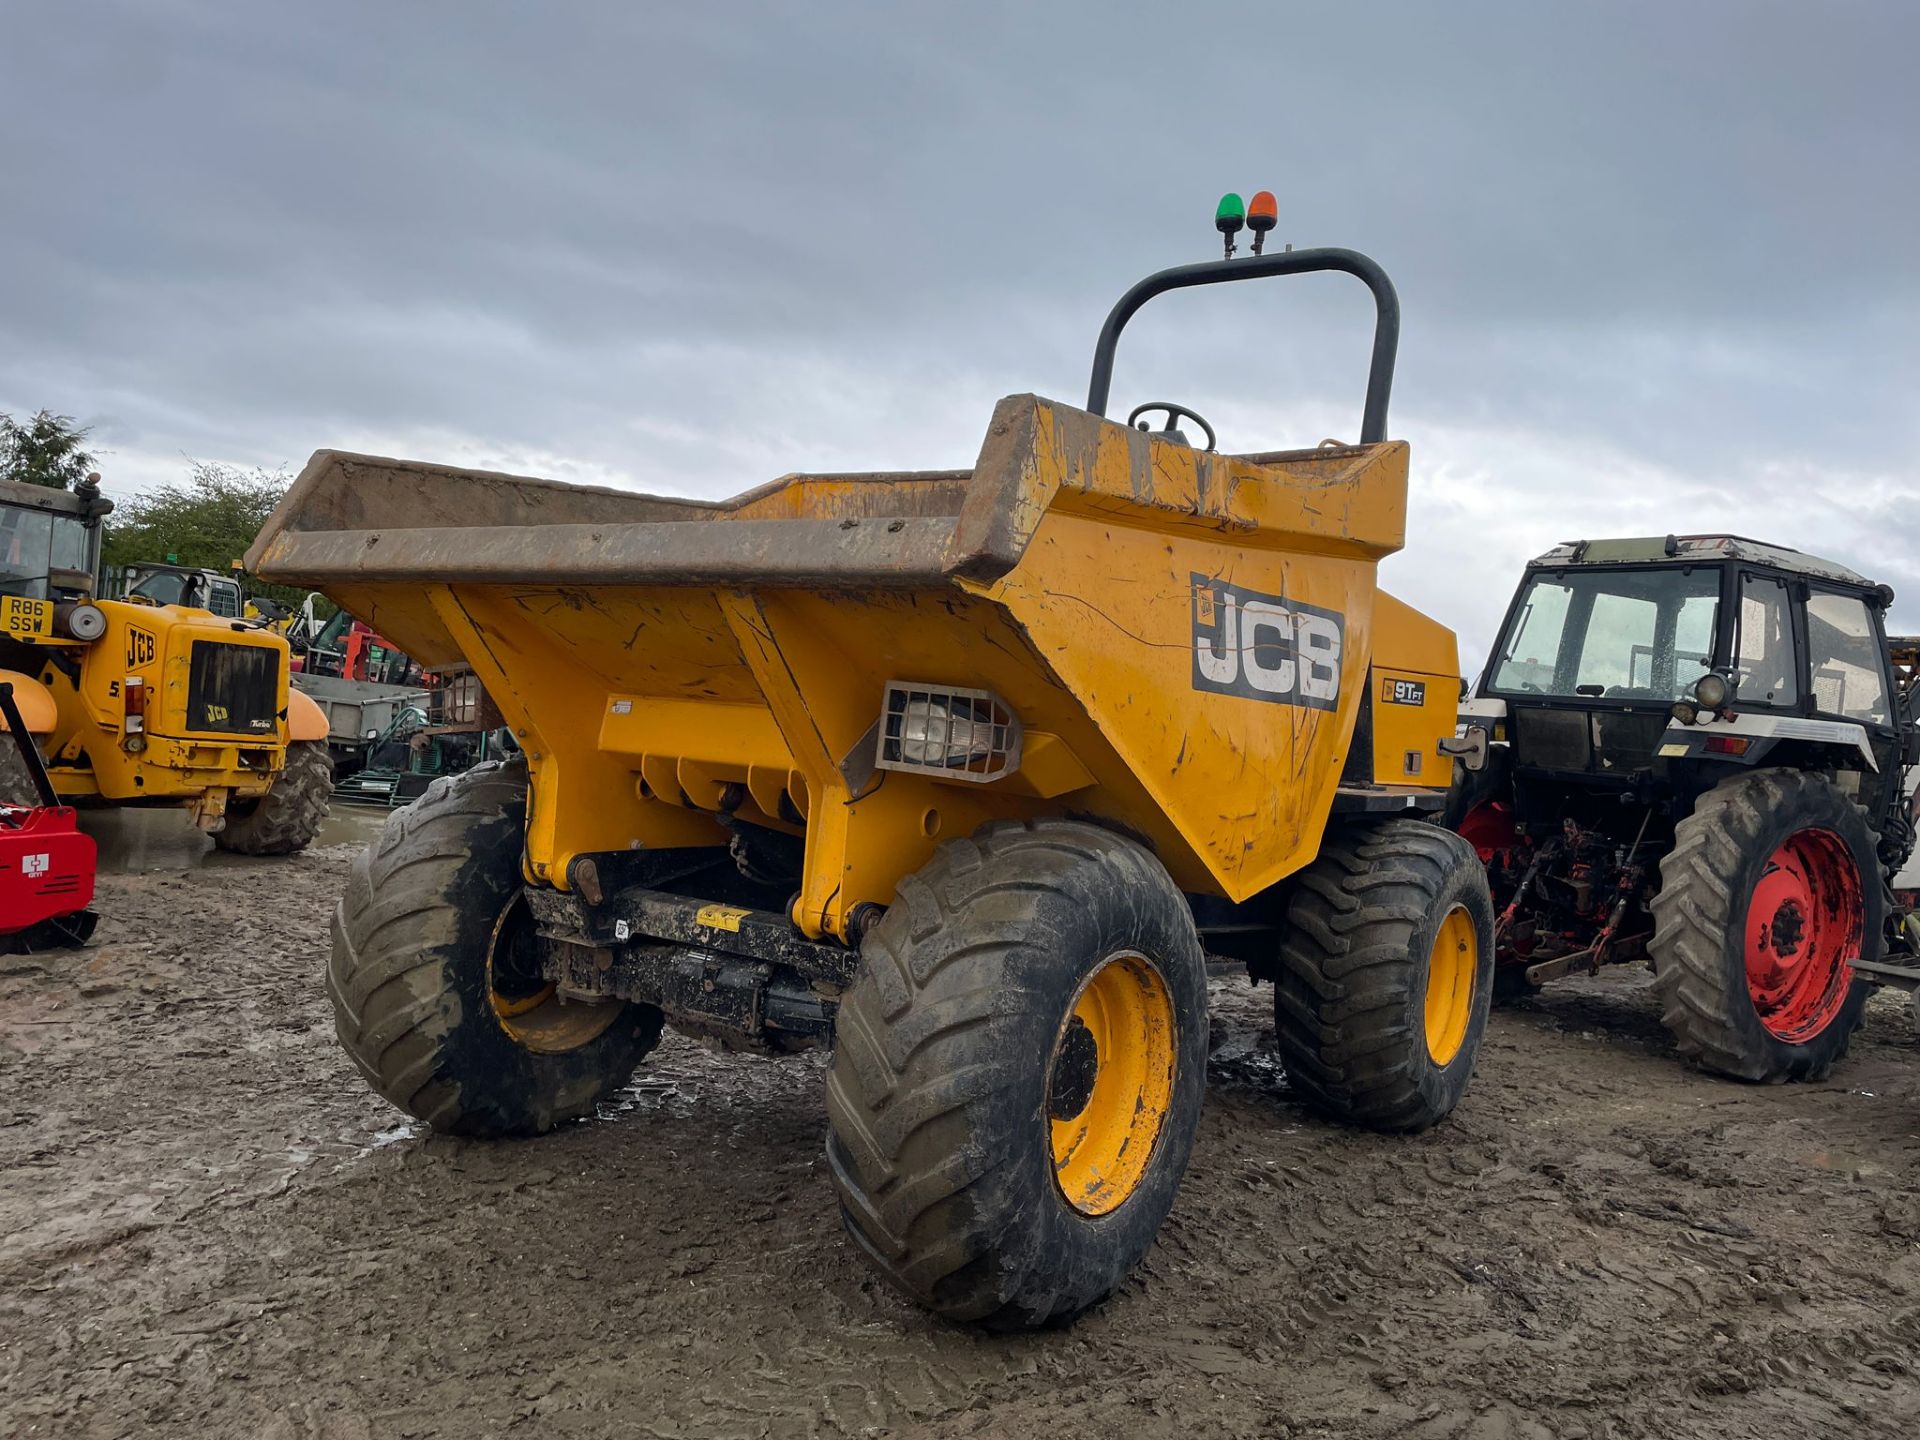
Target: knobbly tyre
(140, 703)
(957, 771)
(1693, 750)
(46, 864)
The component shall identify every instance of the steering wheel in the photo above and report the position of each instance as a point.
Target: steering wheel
(1174, 412)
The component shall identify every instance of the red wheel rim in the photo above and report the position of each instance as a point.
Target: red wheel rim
(1803, 934)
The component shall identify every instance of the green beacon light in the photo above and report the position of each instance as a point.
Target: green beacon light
(1229, 217)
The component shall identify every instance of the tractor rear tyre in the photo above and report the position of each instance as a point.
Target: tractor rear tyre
(1018, 1072)
(288, 816)
(435, 978)
(1767, 897)
(1386, 974)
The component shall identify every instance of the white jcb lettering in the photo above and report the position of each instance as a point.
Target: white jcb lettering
(1221, 666)
(1265, 647)
(1318, 641)
(1269, 663)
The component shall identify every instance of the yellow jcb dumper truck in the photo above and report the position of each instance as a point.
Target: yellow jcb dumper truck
(962, 773)
(149, 704)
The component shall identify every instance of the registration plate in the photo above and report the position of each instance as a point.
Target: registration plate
(26, 619)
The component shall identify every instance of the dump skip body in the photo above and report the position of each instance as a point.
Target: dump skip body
(1190, 642)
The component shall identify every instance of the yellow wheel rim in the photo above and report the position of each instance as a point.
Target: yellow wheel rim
(1110, 1083)
(532, 1011)
(1451, 967)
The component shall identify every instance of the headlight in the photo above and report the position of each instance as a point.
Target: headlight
(82, 621)
(1685, 712)
(1711, 691)
(965, 734)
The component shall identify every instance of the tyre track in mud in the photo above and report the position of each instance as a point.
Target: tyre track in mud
(209, 1226)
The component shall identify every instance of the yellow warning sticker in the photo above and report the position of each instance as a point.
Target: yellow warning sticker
(720, 917)
(1671, 750)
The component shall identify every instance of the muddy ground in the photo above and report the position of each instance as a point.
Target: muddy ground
(209, 1227)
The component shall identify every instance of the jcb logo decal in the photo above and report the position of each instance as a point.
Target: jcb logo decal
(140, 647)
(217, 715)
(1265, 647)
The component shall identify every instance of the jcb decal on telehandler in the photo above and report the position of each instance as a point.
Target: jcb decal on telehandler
(141, 647)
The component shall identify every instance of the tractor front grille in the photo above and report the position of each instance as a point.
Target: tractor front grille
(1551, 739)
(234, 689)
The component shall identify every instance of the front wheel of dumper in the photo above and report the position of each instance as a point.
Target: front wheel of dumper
(436, 986)
(1018, 1073)
(1385, 974)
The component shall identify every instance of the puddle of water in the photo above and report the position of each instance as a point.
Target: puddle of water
(133, 841)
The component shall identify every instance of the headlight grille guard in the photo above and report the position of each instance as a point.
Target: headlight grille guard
(951, 731)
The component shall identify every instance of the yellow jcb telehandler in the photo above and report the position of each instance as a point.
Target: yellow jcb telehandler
(959, 772)
(148, 704)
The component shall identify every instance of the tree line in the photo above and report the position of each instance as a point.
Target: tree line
(207, 520)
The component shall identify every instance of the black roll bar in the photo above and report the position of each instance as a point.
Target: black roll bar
(1386, 324)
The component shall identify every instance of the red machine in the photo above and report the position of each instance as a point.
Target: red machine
(46, 864)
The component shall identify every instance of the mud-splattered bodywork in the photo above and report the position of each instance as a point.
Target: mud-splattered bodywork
(1194, 644)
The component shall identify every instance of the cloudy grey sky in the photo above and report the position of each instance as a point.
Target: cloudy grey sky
(1658, 261)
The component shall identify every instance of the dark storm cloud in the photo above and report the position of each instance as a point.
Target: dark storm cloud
(1656, 259)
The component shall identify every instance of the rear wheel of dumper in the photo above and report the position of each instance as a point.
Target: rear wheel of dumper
(435, 978)
(1385, 974)
(1018, 1072)
(288, 816)
(1766, 898)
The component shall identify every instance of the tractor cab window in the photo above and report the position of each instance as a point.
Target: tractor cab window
(1845, 658)
(1614, 634)
(163, 587)
(1764, 667)
(26, 537)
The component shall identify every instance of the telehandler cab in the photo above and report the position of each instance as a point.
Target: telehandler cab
(1693, 750)
(960, 772)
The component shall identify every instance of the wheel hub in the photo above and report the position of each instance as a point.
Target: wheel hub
(525, 1003)
(1452, 965)
(1074, 1070)
(1802, 933)
(1788, 927)
(1110, 1083)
